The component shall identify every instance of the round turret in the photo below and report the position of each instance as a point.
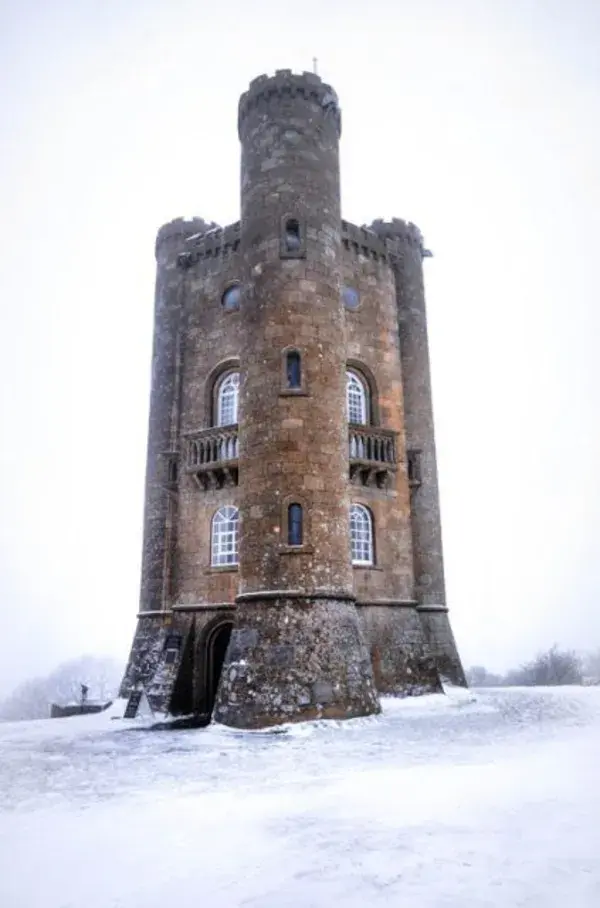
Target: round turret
(296, 650)
(175, 233)
(291, 242)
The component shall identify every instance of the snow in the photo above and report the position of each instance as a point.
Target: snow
(476, 799)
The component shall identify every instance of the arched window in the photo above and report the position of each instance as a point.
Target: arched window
(361, 535)
(231, 297)
(356, 399)
(293, 369)
(227, 399)
(295, 530)
(224, 536)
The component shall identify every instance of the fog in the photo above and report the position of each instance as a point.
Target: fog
(477, 120)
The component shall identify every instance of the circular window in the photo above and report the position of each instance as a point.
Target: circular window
(232, 297)
(350, 297)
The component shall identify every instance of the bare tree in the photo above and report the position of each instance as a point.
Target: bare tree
(478, 676)
(591, 667)
(553, 667)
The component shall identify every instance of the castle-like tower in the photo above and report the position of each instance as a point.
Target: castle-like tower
(292, 561)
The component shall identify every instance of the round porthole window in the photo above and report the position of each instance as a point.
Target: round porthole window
(232, 297)
(350, 297)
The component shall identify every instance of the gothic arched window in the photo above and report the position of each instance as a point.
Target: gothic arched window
(356, 399)
(361, 535)
(227, 399)
(224, 536)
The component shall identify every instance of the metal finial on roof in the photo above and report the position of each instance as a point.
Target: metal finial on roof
(315, 61)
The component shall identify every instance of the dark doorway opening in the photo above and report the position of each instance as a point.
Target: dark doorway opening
(216, 647)
(182, 699)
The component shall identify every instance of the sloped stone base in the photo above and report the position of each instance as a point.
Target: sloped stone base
(148, 668)
(402, 661)
(442, 645)
(293, 659)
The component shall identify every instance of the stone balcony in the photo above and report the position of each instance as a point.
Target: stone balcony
(212, 457)
(372, 453)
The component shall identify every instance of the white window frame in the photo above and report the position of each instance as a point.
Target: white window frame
(356, 399)
(228, 394)
(224, 535)
(361, 535)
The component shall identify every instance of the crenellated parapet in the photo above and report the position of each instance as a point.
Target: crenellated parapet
(216, 242)
(363, 241)
(180, 230)
(286, 84)
(398, 233)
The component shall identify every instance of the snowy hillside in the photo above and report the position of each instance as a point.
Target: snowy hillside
(471, 800)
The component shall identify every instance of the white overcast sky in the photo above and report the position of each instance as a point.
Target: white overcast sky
(477, 119)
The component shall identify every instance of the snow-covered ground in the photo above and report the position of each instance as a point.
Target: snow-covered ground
(471, 800)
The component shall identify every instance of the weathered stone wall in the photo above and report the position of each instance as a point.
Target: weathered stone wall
(401, 657)
(372, 348)
(295, 659)
(211, 347)
(292, 444)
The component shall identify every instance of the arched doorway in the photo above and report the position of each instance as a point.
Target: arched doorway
(215, 648)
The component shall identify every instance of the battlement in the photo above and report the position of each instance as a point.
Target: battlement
(363, 241)
(397, 233)
(182, 229)
(216, 242)
(286, 84)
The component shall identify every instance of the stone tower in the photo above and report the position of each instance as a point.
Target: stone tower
(292, 560)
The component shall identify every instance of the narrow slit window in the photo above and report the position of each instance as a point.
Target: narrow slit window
(295, 528)
(292, 238)
(293, 369)
(413, 462)
(172, 470)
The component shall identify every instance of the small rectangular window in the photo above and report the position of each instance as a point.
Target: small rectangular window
(292, 245)
(295, 524)
(413, 463)
(293, 369)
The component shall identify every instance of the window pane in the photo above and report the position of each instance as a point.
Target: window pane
(232, 297)
(224, 542)
(361, 535)
(356, 399)
(292, 235)
(293, 369)
(227, 403)
(295, 524)
(350, 298)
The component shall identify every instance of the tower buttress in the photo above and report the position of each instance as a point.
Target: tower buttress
(405, 245)
(160, 503)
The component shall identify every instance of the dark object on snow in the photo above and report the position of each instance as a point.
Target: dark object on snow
(77, 709)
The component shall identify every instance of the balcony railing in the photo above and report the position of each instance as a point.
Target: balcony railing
(372, 454)
(212, 456)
